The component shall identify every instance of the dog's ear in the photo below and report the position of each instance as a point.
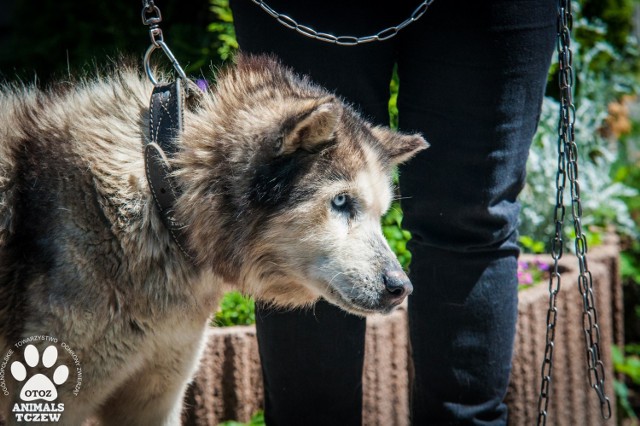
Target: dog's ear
(312, 128)
(399, 147)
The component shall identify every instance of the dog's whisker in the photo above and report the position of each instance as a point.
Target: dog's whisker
(335, 276)
(398, 198)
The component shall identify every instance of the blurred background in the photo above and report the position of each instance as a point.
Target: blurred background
(50, 40)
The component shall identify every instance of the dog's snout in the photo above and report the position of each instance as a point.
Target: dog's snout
(397, 285)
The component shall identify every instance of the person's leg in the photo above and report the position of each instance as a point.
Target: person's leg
(311, 365)
(312, 361)
(472, 77)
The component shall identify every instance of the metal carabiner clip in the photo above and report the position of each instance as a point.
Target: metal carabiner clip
(168, 53)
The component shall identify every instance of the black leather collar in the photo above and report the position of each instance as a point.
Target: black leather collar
(165, 129)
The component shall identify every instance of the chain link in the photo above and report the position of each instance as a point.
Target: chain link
(152, 17)
(344, 40)
(568, 168)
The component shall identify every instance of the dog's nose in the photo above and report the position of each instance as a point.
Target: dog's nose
(397, 285)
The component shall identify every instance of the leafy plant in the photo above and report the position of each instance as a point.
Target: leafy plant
(226, 44)
(602, 196)
(617, 15)
(395, 235)
(235, 309)
(394, 87)
(623, 397)
(530, 245)
(628, 364)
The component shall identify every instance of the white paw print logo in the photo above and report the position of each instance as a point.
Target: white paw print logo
(39, 386)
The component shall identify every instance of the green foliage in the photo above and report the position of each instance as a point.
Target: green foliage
(395, 235)
(626, 171)
(626, 363)
(623, 395)
(394, 88)
(630, 265)
(530, 245)
(225, 44)
(616, 15)
(256, 420)
(603, 197)
(235, 309)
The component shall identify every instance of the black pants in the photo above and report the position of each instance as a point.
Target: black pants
(472, 76)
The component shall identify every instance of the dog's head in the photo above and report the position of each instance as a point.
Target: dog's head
(284, 188)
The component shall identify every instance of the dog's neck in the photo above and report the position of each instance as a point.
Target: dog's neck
(165, 129)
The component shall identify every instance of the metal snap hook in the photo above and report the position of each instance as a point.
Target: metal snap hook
(169, 54)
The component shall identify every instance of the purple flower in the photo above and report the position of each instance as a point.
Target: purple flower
(543, 266)
(202, 84)
(527, 278)
(523, 265)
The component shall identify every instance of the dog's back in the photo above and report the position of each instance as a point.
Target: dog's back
(55, 147)
(20, 110)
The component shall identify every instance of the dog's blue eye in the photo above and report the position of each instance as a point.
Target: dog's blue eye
(339, 201)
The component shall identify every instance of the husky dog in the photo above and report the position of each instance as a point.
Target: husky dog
(282, 190)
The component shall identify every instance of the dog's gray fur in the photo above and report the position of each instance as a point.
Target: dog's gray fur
(84, 256)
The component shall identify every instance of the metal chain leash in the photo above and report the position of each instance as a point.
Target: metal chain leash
(343, 40)
(568, 168)
(152, 17)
